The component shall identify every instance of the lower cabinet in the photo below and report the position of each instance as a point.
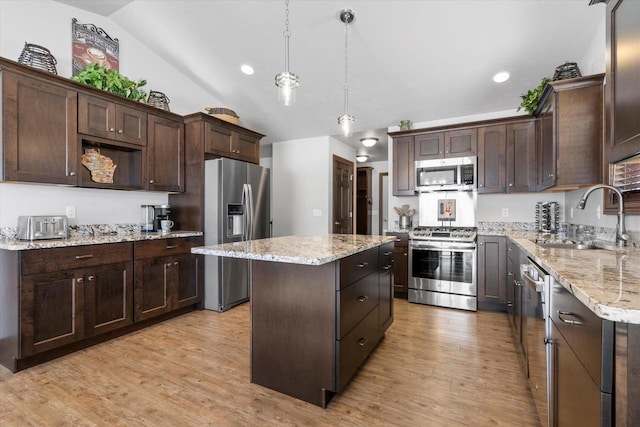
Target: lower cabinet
(71, 294)
(385, 283)
(400, 264)
(167, 276)
(491, 273)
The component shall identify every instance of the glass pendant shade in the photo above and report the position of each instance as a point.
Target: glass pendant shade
(346, 122)
(287, 84)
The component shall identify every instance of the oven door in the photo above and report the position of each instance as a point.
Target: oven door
(448, 267)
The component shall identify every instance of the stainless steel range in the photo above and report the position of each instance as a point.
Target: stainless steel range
(442, 267)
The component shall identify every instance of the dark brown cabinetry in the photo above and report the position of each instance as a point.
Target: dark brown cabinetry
(570, 147)
(521, 157)
(492, 290)
(347, 308)
(454, 143)
(429, 146)
(403, 166)
(167, 276)
(492, 143)
(107, 119)
(228, 140)
(68, 294)
(363, 200)
(38, 131)
(165, 154)
(400, 264)
(516, 295)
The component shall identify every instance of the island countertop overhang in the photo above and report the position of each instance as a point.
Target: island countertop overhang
(313, 249)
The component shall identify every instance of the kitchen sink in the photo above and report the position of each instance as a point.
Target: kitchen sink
(570, 244)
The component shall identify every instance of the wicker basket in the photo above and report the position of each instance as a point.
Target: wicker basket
(38, 57)
(223, 113)
(568, 70)
(158, 100)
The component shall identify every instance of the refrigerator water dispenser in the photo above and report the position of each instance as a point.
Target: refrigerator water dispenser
(235, 223)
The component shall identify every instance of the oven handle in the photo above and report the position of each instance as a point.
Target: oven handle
(443, 246)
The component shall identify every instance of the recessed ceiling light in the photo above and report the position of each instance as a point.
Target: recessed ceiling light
(501, 77)
(247, 69)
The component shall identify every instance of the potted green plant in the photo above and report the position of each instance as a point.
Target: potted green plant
(531, 99)
(112, 81)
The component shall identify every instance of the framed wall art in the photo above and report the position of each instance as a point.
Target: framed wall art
(91, 44)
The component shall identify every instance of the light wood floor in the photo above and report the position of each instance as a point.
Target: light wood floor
(436, 367)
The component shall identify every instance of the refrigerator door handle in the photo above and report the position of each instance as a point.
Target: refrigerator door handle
(250, 211)
(245, 213)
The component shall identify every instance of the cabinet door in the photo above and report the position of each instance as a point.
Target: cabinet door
(546, 155)
(429, 146)
(403, 166)
(51, 312)
(40, 125)
(189, 282)
(521, 157)
(622, 100)
(96, 116)
(108, 297)
(492, 272)
(165, 164)
(131, 125)
(248, 149)
(217, 140)
(153, 281)
(385, 283)
(576, 398)
(492, 145)
(460, 143)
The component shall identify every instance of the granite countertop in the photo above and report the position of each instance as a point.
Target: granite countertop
(91, 239)
(606, 281)
(306, 249)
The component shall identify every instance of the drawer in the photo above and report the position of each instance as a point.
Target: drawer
(57, 259)
(356, 301)
(385, 257)
(356, 266)
(590, 337)
(157, 248)
(354, 348)
(402, 239)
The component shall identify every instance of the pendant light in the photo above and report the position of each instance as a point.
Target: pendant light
(287, 82)
(346, 121)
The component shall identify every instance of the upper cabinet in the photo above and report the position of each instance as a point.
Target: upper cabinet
(38, 131)
(224, 139)
(570, 135)
(623, 84)
(492, 143)
(165, 154)
(105, 119)
(438, 145)
(403, 166)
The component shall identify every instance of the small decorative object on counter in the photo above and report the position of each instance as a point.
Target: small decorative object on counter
(405, 124)
(568, 70)
(38, 57)
(101, 167)
(223, 113)
(405, 213)
(158, 100)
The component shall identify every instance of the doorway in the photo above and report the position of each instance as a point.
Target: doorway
(342, 196)
(383, 203)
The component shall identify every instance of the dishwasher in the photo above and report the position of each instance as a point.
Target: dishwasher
(536, 308)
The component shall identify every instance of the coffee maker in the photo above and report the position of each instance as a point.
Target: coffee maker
(152, 215)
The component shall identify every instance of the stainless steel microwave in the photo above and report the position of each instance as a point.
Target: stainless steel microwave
(451, 174)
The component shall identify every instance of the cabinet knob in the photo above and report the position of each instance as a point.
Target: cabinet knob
(91, 278)
(363, 298)
(482, 244)
(363, 341)
(120, 131)
(551, 175)
(175, 262)
(80, 279)
(72, 174)
(112, 129)
(152, 181)
(480, 185)
(510, 185)
(167, 265)
(363, 264)
(405, 254)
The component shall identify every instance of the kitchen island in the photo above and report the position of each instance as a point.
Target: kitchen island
(319, 306)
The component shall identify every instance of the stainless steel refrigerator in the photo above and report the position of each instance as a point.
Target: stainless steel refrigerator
(236, 201)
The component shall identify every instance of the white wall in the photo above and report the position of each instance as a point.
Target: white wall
(520, 206)
(378, 167)
(48, 23)
(594, 60)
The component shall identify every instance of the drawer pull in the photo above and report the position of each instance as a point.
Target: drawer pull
(91, 278)
(398, 240)
(175, 262)
(387, 267)
(167, 265)
(172, 246)
(387, 253)
(363, 341)
(80, 279)
(563, 319)
(84, 256)
(363, 264)
(363, 298)
(509, 273)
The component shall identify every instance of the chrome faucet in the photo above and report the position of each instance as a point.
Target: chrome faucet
(621, 232)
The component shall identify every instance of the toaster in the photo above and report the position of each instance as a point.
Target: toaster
(42, 227)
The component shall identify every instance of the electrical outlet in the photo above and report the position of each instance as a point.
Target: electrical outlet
(71, 212)
(317, 212)
(505, 212)
(598, 212)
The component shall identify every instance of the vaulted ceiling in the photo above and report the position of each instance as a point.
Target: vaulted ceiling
(417, 60)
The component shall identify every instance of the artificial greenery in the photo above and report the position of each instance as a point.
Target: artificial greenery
(532, 97)
(112, 81)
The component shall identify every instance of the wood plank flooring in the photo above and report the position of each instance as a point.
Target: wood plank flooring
(436, 367)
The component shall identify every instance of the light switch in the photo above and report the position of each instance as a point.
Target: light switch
(71, 211)
(317, 212)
